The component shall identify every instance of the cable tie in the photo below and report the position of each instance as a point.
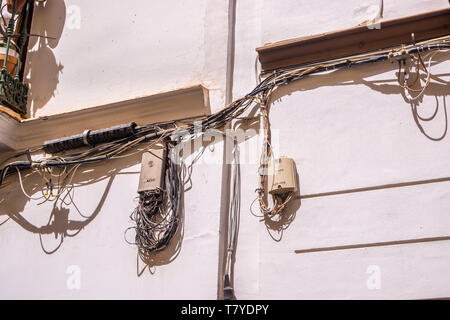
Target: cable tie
(29, 155)
(413, 39)
(85, 137)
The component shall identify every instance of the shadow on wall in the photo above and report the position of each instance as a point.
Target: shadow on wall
(43, 70)
(13, 201)
(170, 253)
(356, 75)
(438, 88)
(187, 148)
(275, 228)
(60, 226)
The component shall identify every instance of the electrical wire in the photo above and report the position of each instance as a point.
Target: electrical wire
(233, 224)
(260, 96)
(156, 217)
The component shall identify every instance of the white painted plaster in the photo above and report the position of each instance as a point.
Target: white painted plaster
(343, 132)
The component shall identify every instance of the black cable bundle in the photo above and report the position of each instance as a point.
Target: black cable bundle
(90, 138)
(157, 215)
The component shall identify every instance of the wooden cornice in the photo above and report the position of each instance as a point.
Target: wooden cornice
(17, 134)
(356, 40)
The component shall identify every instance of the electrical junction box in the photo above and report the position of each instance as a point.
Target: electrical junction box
(282, 176)
(152, 170)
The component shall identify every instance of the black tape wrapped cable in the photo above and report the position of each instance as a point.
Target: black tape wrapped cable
(90, 138)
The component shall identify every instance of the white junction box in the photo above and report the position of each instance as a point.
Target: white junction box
(152, 170)
(282, 176)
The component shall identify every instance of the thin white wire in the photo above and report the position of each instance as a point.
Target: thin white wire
(407, 94)
(23, 190)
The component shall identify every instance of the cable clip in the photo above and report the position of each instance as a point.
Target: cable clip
(28, 153)
(400, 55)
(413, 40)
(86, 136)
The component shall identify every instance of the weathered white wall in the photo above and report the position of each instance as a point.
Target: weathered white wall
(108, 51)
(118, 53)
(346, 132)
(343, 130)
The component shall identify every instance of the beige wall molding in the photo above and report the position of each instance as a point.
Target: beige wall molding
(174, 105)
(356, 40)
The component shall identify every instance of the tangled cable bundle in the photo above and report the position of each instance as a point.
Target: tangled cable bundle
(279, 201)
(157, 215)
(148, 135)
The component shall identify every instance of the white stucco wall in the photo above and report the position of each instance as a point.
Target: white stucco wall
(343, 130)
(107, 51)
(345, 134)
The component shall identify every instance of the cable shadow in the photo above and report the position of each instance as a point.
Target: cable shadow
(417, 118)
(356, 75)
(42, 69)
(60, 224)
(185, 149)
(353, 76)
